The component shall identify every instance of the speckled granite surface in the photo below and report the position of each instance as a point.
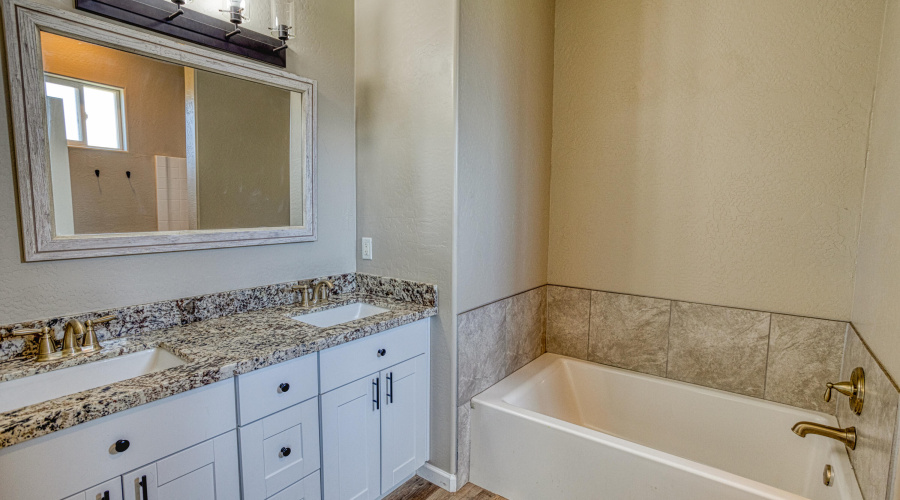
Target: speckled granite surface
(215, 349)
(168, 313)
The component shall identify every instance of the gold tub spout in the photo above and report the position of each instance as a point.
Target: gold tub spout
(846, 436)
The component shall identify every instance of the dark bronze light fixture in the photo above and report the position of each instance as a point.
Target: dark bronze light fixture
(211, 31)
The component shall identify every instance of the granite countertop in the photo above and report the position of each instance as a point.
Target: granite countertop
(215, 349)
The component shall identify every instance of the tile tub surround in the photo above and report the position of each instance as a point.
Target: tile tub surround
(876, 425)
(777, 357)
(143, 318)
(215, 349)
(495, 340)
(498, 339)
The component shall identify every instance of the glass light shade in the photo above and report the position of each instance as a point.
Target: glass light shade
(282, 18)
(181, 2)
(232, 7)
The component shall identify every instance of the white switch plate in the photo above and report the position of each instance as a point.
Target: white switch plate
(367, 248)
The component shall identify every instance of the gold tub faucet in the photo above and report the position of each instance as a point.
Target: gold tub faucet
(846, 436)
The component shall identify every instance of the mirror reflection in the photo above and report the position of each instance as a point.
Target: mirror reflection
(141, 145)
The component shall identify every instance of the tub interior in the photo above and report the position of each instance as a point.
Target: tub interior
(737, 434)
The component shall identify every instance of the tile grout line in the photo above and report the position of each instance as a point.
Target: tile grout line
(587, 351)
(669, 336)
(768, 348)
(703, 303)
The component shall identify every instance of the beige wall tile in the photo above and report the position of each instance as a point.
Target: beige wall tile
(630, 332)
(719, 347)
(875, 426)
(482, 348)
(804, 354)
(526, 315)
(498, 339)
(568, 321)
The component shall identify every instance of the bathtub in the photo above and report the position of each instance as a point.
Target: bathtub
(561, 428)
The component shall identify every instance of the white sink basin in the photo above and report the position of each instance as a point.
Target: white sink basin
(338, 315)
(58, 383)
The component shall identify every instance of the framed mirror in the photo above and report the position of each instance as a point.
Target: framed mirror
(128, 142)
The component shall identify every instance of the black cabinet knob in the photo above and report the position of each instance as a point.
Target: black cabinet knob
(284, 387)
(122, 445)
(382, 352)
(285, 451)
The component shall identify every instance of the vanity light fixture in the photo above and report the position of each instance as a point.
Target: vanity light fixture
(282, 22)
(216, 31)
(236, 11)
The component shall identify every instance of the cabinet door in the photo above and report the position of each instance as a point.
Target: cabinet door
(207, 471)
(351, 445)
(403, 420)
(197, 485)
(110, 490)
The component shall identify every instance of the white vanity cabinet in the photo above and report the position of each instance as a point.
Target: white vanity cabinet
(374, 427)
(347, 422)
(84, 461)
(278, 409)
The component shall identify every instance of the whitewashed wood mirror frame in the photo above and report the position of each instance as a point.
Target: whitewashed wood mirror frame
(24, 21)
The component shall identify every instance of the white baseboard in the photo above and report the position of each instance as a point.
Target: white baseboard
(438, 477)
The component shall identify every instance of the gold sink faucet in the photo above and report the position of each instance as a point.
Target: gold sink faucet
(846, 436)
(320, 293)
(78, 338)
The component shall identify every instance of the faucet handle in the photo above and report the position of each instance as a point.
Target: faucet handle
(102, 319)
(304, 288)
(27, 332)
(46, 344)
(90, 342)
(855, 389)
(841, 387)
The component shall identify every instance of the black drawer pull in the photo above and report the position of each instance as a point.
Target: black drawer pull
(143, 484)
(122, 445)
(284, 387)
(285, 451)
(381, 352)
(105, 495)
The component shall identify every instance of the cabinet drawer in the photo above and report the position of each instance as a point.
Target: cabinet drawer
(266, 391)
(280, 450)
(309, 488)
(84, 455)
(351, 361)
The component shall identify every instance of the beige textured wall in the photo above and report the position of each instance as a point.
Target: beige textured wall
(876, 300)
(713, 150)
(406, 169)
(243, 172)
(505, 118)
(323, 50)
(154, 117)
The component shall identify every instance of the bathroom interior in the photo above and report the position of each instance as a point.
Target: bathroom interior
(458, 249)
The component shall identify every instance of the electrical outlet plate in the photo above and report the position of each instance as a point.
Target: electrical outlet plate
(367, 248)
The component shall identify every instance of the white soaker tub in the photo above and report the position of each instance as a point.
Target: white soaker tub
(561, 428)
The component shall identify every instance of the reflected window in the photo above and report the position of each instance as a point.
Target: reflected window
(94, 113)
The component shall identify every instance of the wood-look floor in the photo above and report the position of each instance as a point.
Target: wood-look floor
(420, 489)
